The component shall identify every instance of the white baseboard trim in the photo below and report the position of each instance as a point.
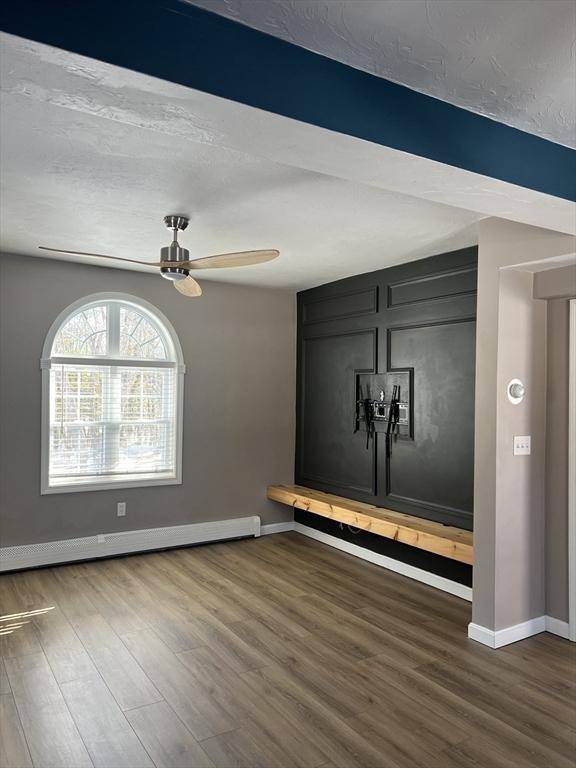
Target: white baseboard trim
(124, 542)
(498, 638)
(446, 585)
(501, 637)
(276, 527)
(558, 627)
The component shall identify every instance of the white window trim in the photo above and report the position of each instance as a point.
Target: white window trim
(46, 362)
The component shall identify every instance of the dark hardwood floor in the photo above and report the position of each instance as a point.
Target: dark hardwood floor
(272, 652)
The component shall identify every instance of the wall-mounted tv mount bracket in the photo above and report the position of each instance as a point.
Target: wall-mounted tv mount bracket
(384, 404)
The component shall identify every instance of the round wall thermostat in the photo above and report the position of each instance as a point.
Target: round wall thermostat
(516, 391)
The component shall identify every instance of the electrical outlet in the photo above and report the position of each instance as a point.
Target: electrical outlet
(522, 445)
(121, 509)
(101, 538)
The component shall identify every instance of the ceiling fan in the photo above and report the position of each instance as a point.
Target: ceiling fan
(175, 264)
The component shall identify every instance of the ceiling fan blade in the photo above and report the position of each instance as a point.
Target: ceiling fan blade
(101, 256)
(227, 260)
(188, 287)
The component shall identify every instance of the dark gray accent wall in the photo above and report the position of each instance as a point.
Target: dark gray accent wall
(239, 349)
(418, 317)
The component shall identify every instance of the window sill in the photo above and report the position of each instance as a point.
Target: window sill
(110, 485)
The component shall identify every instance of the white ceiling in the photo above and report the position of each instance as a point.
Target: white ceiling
(512, 60)
(78, 175)
(74, 181)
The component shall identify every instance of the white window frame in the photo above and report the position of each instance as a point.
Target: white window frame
(47, 361)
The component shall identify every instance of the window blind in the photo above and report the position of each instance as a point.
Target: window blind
(107, 421)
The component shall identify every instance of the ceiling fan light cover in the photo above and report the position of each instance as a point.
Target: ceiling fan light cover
(174, 273)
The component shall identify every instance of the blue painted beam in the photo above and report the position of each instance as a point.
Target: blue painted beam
(174, 41)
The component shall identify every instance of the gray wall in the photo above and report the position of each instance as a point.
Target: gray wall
(520, 523)
(550, 284)
(509, 549)
(557, 460)
(239, 349)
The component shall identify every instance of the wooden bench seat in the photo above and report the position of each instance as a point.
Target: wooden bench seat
(444, 540)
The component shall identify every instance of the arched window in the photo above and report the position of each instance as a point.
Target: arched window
(112, 378)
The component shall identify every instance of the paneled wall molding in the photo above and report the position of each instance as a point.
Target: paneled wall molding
(454, 512)
(398, 293)
(347, 304)
(307, 474)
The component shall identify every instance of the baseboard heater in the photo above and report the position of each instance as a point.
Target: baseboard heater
(124, 543)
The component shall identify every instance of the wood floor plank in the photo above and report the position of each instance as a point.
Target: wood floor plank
(480, 753)
(129, 684)
(240, 655)
(271, 645)
(214, 678)
(19, 640)
(403, 748)
(18, 636)
(201, 714)
(245, 747)
(112, 605)
(312, 719)
(464, 713)
(160, 604)
(238, 558)
(4, 682)
(537, 655)
(261, 603)
(244, 701)
(348, 633)
(69, 593)
(208, 591)
(108, 736)
(13, 748)
(413, 733)
(469, 685)
(293, 568)
(50, 731)
(66, 655)
(334, 679)
(541, 699)
(167, 740)
(182, 624)
(409, 640)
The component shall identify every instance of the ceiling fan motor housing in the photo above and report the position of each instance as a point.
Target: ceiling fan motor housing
(174, 252)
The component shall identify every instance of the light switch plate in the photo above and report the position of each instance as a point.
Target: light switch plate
(121, 509)
(522, 445)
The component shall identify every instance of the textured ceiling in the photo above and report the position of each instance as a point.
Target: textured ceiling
(75, 180)
(512, 60)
